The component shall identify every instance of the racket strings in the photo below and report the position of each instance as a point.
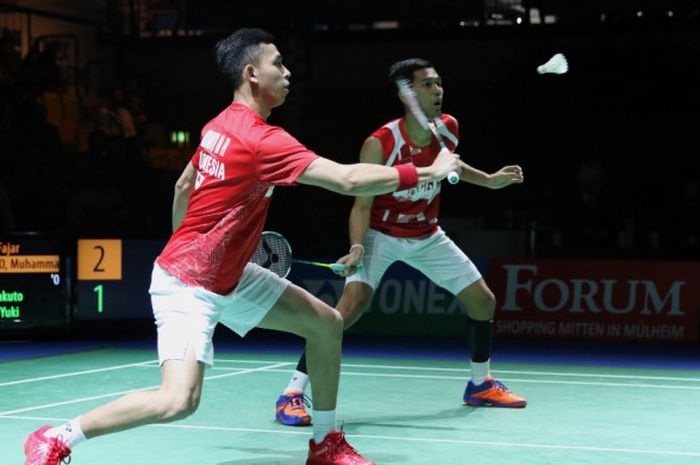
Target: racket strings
(273, 252)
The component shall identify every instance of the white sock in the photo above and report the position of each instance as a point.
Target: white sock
(324, 423)
(70, 432)
(480, 371)
(297, 383)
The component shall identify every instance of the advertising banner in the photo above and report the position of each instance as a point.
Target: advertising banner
(597, 299)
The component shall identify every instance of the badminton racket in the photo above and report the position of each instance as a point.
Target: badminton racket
(409, 97)
(275, 254)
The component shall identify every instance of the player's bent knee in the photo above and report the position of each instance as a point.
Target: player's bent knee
(334, 323)
(485, 309)
(330, 325)
(177, 406)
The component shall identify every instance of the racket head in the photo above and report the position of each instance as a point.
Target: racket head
(408, 96)
(273, 253)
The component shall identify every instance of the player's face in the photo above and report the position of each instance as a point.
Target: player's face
(273, 77)
(428, 86)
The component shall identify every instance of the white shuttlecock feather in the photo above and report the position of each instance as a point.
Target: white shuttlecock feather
(556, 65)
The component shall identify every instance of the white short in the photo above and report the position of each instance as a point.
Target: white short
(187, 315)
(435, 256)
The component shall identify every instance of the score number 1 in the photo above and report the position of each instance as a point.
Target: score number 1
(100, 297)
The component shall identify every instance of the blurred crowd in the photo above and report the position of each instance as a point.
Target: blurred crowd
(72, 161)
(89, 172)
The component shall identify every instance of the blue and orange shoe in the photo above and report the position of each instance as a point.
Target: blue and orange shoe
(492, 393)
(291, 409)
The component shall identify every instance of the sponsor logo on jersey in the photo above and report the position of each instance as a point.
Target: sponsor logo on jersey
(215, 143)
(423, 191)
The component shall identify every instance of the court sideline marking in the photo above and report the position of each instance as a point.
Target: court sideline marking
(112, 394)
(406, 439)
(77, 373)
(516, 372)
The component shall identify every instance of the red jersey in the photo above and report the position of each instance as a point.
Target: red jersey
(412, 212)
(239, 160)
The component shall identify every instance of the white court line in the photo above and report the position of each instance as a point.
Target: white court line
(596, 375)
(153, 363)
(465, 370)
(514, 380)
(76, 373)
(113, 394)
(407, 439)
(518, 380)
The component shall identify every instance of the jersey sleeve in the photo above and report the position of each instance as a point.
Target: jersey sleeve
(281, 158)
(451, 124)
(385, 138)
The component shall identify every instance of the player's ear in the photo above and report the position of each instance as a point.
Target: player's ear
(250, 73)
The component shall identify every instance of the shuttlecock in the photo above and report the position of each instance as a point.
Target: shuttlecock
(556, 65)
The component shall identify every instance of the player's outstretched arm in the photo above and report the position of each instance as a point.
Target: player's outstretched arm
(511, 174)
(181, 199)
(371, 179)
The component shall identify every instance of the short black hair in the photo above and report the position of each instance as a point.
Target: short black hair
(404, 69)
(238, 50)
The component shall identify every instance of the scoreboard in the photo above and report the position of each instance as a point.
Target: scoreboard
(33, 288)
(112, 278)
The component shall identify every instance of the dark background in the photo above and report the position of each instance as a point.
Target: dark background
(610, 150)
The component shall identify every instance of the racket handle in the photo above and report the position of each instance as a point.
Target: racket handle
(452, 177)
(337, 267)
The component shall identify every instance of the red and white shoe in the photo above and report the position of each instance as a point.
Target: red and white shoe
(334, 450)
(41, 450)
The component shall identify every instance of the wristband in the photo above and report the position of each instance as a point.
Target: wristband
(362, 248)
(408, 176)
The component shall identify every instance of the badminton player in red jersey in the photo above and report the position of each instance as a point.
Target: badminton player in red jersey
(403, 226)
(203, 275)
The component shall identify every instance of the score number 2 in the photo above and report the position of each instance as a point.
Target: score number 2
(99, 259)
(97, 268)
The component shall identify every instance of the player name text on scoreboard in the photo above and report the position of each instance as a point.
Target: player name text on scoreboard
(10, 310)
(30, 264)
(8, 248)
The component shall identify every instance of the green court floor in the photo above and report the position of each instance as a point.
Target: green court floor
(395, 412)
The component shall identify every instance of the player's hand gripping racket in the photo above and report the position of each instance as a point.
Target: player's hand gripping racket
(408, 96)
(275, 254)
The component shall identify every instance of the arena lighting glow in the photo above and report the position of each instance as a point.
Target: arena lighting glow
(180, 138)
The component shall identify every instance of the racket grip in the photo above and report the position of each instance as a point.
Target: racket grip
(337, 267)
(452, 177)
